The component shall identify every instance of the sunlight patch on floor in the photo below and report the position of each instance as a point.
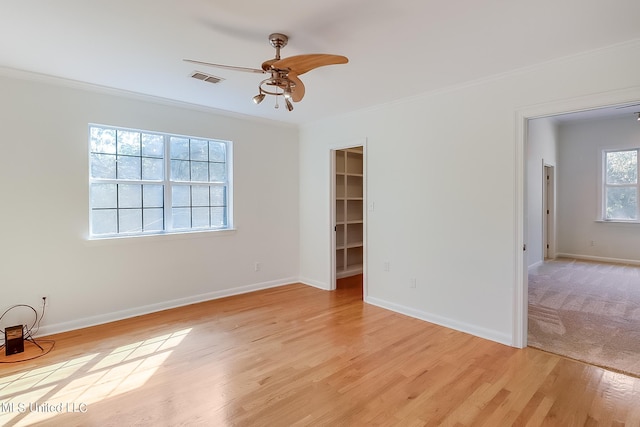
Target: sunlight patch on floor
(73, 385)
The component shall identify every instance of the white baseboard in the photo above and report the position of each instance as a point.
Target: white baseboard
(489, 334)
(599, 258)
(152, 308)
(314, 283)
(535, 264)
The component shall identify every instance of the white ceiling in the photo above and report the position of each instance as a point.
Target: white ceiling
(397, 48)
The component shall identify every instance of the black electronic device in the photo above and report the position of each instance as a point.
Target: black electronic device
(14, 340)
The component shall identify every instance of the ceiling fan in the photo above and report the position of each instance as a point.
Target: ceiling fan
(283, 73)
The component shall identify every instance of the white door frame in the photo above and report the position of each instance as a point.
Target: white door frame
(360, 142)
(523, 115)
(548, 211)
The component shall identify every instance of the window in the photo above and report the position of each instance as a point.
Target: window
(152, 183)
(620, 192)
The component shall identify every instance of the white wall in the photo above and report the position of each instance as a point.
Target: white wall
(44, 214)
(580, 147)
(442, 173)
(541, 150)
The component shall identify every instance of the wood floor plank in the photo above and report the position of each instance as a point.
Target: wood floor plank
(299, 356)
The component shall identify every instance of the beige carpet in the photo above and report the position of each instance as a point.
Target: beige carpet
(587, 311)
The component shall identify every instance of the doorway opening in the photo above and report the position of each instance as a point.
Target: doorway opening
(348, 217)
(615, 102)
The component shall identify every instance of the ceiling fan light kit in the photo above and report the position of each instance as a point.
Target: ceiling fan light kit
(258, 98)
(283, 73)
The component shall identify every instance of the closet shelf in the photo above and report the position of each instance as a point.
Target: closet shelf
(349, 203)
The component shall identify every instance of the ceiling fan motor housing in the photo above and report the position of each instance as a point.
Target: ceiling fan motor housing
(278, 40)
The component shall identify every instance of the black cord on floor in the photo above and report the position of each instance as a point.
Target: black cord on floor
(44, 352)
(28, 334)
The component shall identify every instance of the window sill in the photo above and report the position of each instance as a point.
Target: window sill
(617, 221)
(186, 235)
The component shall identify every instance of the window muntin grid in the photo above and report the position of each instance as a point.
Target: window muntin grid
(152, 183)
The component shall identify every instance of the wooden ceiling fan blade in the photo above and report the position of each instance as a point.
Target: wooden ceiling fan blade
(301, 64)
(298, 92)
(227, 67)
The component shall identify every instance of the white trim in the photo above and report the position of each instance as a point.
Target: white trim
(357, 142)
(535, 264)
(167, 182)
(137, 238)
(446, 322)
(152, 308)
(603, 186)
(95, 88)
(315, 284)
(617, 222)
(599, 259)
(365, 220)
(484, 80)
(549, 200)
(520, 299)
(350, 143)
(601, 168)
(333, 276)
(583, 103)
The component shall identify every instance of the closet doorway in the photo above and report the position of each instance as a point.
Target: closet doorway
(348, 215)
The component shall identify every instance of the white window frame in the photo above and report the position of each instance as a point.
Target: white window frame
(168, 183)
(604, 185)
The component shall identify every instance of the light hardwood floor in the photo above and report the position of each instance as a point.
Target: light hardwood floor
(296, 356)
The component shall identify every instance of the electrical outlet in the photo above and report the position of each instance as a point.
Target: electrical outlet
(413, 283)
(593, 243)
(257, 266)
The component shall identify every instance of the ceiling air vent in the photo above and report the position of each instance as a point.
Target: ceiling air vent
(206, 77)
